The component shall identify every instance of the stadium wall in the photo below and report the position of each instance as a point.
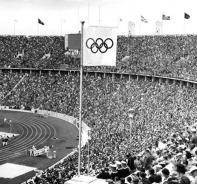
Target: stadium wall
(113, 75)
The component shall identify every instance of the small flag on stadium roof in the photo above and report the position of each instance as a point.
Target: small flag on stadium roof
(144, 20)
(186, 16)
(40, 22)
(164, 17)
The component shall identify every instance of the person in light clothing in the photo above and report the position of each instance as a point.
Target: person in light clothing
(193, 175)
(47, 149)
(31, 152)
(33, 149)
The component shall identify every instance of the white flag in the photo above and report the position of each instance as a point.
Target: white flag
(99, 47)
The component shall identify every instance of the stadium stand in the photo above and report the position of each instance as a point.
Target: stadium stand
(163, 114)
(164, 55)
(161, 111)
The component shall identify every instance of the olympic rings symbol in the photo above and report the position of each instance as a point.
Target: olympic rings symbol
(99, 45)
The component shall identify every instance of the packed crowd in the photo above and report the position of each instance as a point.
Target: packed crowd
(154, 110)
(165, 55)
(32, 52)
(170, 55)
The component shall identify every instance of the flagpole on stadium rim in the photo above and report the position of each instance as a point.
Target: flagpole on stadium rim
(15, 26)
(61, 27)
(80, 103)
(140, 26)
(38, 29)
(88, 12)
(99, 15)
(184, 26)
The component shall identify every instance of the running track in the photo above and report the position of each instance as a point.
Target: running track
(33, 131)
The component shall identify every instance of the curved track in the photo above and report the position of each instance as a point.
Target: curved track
(34, 131)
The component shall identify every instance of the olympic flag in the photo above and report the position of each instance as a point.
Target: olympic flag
(99, 46)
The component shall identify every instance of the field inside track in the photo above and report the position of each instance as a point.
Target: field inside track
(34, 130)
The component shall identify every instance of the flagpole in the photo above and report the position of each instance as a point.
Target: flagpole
(118, 23)
(118, 20)
(162, 25)
(99, 15)
(38, 29)
(80, 103)
(78, 21)
(88, 12)
(140, 26)
(184, 26)
(14, 26)
(61, 27)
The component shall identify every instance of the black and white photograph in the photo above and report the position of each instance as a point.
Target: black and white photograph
(98, 92)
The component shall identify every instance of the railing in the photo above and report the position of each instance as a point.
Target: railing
(104, 74)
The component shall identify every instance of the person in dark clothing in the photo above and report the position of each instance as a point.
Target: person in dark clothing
(158, 179)
(104, 174)
(120, 169)
(144, 180)
(114, 172)
(122, 181)
(129, 180)
(125, 169)
(166, 173)
(194, 137)
(183, 179)
(148, 159)
(109, 181)
(152, 175)
(135, 180)
(131, 162)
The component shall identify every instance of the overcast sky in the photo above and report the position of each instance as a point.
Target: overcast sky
(63, 16)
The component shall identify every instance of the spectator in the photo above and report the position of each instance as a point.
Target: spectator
(165, 174)
(181, 172)
(144, 180)
(158, 179)
(131, 162)
(151, 175)
(125, 169)
(135, 180)
(122, 181)
(104, 174)
(162, 111)
(193, 173)
(129, 180)
(148, 159)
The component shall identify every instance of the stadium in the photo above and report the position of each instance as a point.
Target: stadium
(64, 120)
(155, 101)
